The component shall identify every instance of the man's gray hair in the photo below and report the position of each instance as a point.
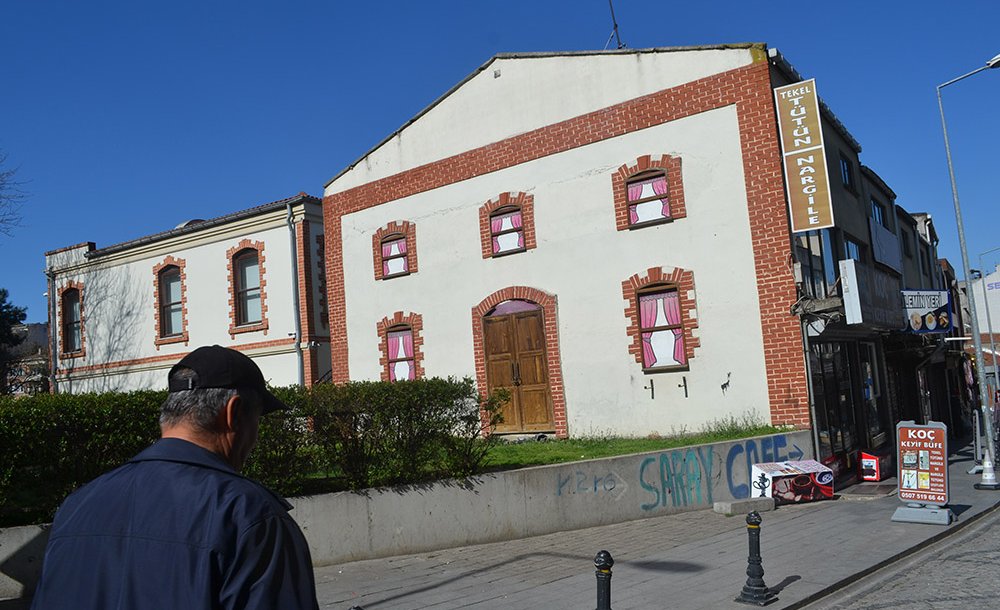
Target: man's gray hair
(199, 406)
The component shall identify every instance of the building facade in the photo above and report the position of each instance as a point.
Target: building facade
(122, 315)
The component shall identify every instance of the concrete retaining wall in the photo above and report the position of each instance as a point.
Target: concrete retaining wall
(349, 526)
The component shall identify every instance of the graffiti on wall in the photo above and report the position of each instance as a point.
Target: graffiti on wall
(689, 477)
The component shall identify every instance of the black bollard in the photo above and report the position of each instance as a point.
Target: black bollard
(603, 563)
(755, 591)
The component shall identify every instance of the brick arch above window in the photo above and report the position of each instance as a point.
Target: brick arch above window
(644, 168)
(160, 338)
(679, 280)
(231, 255)
(64, 292)
(403, 229)
(552, 356)
(413, 322)
(507, 202)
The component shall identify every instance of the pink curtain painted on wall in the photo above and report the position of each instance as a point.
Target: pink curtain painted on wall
(634, 193)
(647, 319)
(387, 249)
(660, 188)
(392, 342)
(672, 307)
(408, 352)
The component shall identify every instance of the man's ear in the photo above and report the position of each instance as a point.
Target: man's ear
(231, 414)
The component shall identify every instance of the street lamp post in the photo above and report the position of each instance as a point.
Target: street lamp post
(989, 322)
(989, 480)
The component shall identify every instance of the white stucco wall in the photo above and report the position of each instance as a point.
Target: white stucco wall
(582, 260)
(532, 92)
(119, 304)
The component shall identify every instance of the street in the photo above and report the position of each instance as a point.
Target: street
(961, 572)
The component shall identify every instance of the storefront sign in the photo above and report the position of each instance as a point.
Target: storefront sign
(799, 124)
(927, 311)
(922, 455)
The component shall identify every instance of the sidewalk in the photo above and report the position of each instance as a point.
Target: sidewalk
(694, 560)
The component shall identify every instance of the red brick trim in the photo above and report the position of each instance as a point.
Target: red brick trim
(678, 279)
(522, 201)
(554, 361)
(415, 322)
(670, 165)
(82, 352)
(159, 339)
(234, 329)
(170, 357)
(324, 314)
(748, 88)
(306, 305)
(405, 229)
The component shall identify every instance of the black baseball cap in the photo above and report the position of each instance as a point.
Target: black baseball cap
(220, 367)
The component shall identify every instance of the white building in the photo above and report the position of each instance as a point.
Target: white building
(986, 292)
(252, 280)
(603, 233)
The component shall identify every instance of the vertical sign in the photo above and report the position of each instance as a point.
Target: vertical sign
(809, 203)
(923, 462)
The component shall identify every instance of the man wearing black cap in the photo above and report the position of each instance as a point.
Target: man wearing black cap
(177, 527)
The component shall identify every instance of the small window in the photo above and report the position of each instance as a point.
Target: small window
(248, 302)
(648, 199)
(400, 361)
(171, 308)
(661, 330)
(907, 243)
(847, 173)
(878, 213)
(925, 263)
(72, 321)
(394, 261)
(507, 231)
(853, 249)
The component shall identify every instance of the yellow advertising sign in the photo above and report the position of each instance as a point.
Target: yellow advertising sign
(803, 156)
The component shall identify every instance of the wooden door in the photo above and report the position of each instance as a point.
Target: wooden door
(515, 360)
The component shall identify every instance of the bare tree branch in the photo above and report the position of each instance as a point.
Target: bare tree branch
(11, 197)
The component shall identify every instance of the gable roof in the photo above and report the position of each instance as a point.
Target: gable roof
(535, 55)
(193, 226)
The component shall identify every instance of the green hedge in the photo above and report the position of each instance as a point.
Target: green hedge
(351, 436)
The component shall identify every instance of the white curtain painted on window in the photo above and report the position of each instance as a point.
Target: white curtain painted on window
(649, 210)
(400, 345)
(395, 248)
(508, 241)
(662, 347)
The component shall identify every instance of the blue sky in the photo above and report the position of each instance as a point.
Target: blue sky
(127, 118)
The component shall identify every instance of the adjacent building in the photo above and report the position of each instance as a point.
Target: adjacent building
(122, 315)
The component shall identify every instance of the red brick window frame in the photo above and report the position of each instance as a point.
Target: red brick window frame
(240, 250)
(650, 314)
(403, 348)
(503, 218)
(163, 302)
(648, 192)
(71, 321)
(397, 241)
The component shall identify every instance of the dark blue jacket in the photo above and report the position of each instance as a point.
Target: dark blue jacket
(175, 528)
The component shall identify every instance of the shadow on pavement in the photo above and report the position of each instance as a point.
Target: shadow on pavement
(666, 566)
(778, 588)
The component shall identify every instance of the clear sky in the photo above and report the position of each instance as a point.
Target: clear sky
(127, 118)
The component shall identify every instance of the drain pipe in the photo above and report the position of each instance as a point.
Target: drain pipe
(53, 386)
(295, 295)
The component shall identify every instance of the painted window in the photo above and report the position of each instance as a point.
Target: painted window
(648, 198)
(72, 321)
(648, 192)
(507, 231)
(394, 260)
(171, 308)
(400, 360)
(248, 296)
(661, 329)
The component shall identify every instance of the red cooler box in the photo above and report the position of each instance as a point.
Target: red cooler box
(876, 465)
(791, 482)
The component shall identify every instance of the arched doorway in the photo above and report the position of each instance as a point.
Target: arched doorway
(514, 349)
(517, 348)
